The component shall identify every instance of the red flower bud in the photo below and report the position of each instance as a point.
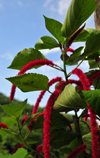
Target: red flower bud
(2, 125)
(24, 119)
(38, 150)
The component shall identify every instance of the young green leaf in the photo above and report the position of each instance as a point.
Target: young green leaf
(30, 82)
(82, 37)
(24, 57)
(93, 98)
(74, 56)
(78, 12)
(20, 153)
(46, 42)
(69, 100)
(93, 64)
(14, 110)
(54, 27)
(92, 43)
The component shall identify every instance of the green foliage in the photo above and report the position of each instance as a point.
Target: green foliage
(46, 42)
(24, 57)
(30, 82)
(63, 139)
(14, 110)
(78, 12)
(69, 100)
(54, 29)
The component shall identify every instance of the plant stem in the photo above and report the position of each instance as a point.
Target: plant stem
(64, 65)
(25, 141)
(77, 128)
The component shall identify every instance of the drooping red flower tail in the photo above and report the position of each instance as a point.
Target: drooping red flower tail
(63, 83)
(94, 132)
(30, 125)
(24, 119)
(47, 123)
(13, 89)
(75, 35)
(17, 147)
(77, 151)
(38, 150)
(50, 83)
(83, 78)
(93, 123)
(35, 109)
(27, 67)
(2, 125)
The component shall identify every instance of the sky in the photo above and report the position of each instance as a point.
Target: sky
(21, 26)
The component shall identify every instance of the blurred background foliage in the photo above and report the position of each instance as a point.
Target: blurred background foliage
(8, 143)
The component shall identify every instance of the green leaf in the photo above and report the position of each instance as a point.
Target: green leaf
(78, 12)
(54, 27)
(61, 137)
(69, 100)
(58, 121)
(82, 37)
(92, 43)
(96, 82)
(20, 153)
(74, 56)
(93, 64)
(30, 82)
(24, 57)
(87, 139)
(46, 42)
(14, 110)
(10, 121)
(93, 98)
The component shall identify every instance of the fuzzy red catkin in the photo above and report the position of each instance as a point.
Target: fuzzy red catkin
(24, 119)
(17, 147)
(77, 151)
(50, 83)
(38, 150)
(30, 125)
(83, 78)
(93, 123)
(47, 123)
(27, 67)
(2, 125)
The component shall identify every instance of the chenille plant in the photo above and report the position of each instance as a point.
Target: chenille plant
(58, 131)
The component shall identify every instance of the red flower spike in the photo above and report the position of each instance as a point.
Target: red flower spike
(93, 123)
(17, 147)
(50, 83)
(24, 119)
(38, 150)
(47, 123)
(2, 125)
(27, 67)
(83, 78)
(75, 35)
(35, 109)
(94, 132)
(30, 125)
(77, 151)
